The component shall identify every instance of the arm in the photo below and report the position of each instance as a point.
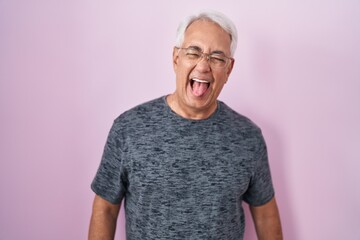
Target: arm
(267, 221)
(103, 219)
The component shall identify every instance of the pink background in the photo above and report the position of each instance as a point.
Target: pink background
(68, 68)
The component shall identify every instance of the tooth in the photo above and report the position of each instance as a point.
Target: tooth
(199, 80)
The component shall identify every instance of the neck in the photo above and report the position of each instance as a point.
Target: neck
(188, 112)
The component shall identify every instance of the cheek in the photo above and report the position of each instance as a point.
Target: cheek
(219, 84)
(183, 71)
(220, 78)
(181, 77)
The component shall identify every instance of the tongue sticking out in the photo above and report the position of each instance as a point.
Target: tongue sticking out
(199, 88)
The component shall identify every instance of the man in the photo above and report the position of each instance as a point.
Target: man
(184, 163)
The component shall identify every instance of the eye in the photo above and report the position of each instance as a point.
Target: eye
(193, 54)
(217, 59)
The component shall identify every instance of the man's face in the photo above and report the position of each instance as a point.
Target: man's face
(199, 85)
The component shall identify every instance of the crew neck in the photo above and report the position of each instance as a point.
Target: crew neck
(179, 117)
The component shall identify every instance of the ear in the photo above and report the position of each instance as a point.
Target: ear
(230, 67)
(175, 57)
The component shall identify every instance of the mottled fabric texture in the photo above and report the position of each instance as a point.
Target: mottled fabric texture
(181, 178)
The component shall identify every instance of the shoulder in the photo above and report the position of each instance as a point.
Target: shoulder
(148, 107)
(238, 127)
(140, 113)
(235, 119)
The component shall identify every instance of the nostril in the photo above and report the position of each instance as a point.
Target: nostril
(203, 66)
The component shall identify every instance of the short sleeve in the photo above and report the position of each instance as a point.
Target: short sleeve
(109, 181)
(260, 189)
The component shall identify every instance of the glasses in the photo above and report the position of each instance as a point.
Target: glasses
(194, 55)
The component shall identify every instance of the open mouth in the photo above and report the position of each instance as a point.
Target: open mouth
(199, 86)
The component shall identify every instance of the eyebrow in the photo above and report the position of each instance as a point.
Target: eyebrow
(197, 48)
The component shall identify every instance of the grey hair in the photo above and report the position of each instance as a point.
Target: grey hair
(223, 21)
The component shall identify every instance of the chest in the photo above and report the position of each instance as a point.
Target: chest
(186, 161)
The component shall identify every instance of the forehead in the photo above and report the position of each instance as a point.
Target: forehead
(207, 35)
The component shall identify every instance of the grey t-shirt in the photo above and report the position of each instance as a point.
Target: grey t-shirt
(181, 178)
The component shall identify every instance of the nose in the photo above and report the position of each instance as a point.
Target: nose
(203, 65)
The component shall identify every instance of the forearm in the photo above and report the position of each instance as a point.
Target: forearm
(269, 229)
(267, 221)
(103, 220)
(102, 227)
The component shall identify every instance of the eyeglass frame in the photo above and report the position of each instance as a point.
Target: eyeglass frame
(207, 55)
